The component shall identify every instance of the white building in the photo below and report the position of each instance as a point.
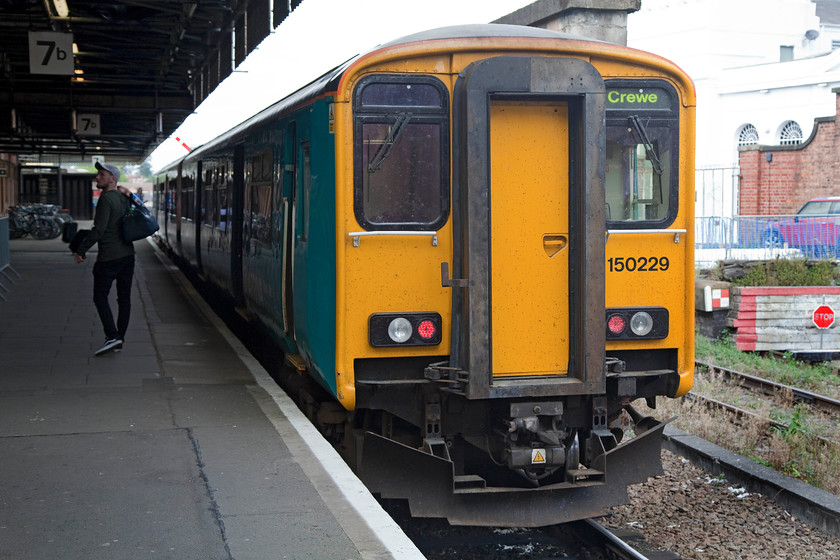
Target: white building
(763, 69)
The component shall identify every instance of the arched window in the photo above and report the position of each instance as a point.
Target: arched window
(791, 133)
(748, 135)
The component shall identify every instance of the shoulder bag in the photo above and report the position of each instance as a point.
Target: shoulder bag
(138, 222)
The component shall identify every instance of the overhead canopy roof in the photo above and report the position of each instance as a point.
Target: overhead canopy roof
(84, 77)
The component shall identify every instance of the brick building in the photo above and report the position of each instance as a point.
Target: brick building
(780, 179)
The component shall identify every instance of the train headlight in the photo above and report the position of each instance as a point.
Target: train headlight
(404, 329)
(399, 330)
(644, 322)
(641, 323)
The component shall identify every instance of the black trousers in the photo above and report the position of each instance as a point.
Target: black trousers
(104, 274)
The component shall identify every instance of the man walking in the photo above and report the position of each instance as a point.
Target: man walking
(115, 260)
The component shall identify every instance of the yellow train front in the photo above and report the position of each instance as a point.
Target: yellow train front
(514, 256)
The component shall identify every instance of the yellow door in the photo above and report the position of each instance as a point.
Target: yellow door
(529, 227)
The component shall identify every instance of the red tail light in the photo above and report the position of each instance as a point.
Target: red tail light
(426, 329)
(616, 324)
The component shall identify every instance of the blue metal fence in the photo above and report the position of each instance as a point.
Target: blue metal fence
(766, 237)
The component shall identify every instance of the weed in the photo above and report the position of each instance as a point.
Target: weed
(756, 276)
(796, 422)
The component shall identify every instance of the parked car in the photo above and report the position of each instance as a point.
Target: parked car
(815, 229)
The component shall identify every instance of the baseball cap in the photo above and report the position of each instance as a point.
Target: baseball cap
(112, 169)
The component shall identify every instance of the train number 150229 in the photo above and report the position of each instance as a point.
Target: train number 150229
(640, 264)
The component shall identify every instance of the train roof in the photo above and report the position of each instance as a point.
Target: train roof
(330, 80)
(484, 30)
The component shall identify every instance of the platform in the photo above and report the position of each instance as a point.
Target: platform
(180, 446)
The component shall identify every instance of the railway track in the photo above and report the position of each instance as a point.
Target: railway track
(824, 406)
(820, 402)
(585, 539)
(615, 546)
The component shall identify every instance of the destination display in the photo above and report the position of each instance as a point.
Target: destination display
(638, 98)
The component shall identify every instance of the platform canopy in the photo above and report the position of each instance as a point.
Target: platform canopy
(85, 77)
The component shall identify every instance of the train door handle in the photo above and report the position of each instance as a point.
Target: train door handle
(447, 282)
(554, 243)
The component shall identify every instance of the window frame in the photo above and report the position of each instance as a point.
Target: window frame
(791, 134)
(748, 135)
(387, 114)
(651, 117)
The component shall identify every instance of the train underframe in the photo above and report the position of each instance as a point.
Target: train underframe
(524, 462)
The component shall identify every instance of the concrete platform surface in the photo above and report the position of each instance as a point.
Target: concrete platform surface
(180, 446)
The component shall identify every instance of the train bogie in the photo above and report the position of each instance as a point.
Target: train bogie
(477, 240)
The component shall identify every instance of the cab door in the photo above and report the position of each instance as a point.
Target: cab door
(529, 219)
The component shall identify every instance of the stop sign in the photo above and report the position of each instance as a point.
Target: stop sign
(823, 317)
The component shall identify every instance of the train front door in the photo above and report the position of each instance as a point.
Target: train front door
(529, 224)
(529, 234)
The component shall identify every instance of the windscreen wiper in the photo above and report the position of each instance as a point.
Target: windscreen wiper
(650, 152)
(388, 144)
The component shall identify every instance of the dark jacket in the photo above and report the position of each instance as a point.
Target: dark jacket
(110, 209)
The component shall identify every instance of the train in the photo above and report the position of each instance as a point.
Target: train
(476, 242)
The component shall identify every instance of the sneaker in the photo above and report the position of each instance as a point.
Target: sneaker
(111, 344)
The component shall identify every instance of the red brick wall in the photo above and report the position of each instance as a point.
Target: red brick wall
(794, 175)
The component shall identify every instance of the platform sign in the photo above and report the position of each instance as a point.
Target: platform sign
(823, 317)
(51, 53)
(87, 124)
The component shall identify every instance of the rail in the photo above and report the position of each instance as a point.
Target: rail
(675, 232)
(357, 235)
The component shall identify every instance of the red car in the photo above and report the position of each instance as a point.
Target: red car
(815, 229)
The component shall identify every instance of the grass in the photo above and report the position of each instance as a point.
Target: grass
(817, 378)
(790, 450)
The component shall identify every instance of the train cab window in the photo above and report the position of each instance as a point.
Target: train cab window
(401, 153)
(642, 153)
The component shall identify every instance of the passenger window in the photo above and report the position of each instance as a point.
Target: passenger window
(187, 195)
(261, 183)
(209, 201)
(401, 153)
(641, 153)
(221, 198)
